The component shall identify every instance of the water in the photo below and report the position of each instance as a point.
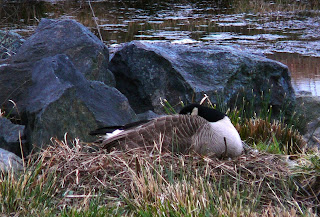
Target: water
(305, 71)
(291, 36)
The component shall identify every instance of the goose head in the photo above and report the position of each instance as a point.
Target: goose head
(211, 115)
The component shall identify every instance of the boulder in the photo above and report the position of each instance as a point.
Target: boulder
(148, 115)
(88, 54)
(62, 100)
(146, 72)
(11, 135)
(10, 162)
(58, 83)
(308, 107)
(10, 42)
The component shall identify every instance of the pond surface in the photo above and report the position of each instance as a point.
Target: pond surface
(291, 36)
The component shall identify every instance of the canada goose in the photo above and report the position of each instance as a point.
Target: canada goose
(198, 128)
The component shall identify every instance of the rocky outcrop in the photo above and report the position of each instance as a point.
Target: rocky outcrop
(59, 83)
(11, 135)
(61, 100)
(88, 54)
(147, 71)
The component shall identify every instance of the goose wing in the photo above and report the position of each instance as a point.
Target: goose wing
(110, 129)
(174, 132)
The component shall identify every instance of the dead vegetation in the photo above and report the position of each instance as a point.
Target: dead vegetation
(289, 140)
(254, 184)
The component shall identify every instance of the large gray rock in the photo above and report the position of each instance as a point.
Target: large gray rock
(308, 107)
(145, 72)
(61, 100)
(11, 135)
(49, 81)
(10, 162)
(88, 54)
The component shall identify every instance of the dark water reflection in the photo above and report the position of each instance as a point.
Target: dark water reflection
(295, 33)
(305, 71)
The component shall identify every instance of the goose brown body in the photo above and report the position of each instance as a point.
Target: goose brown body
(172, 132)
(181, 133)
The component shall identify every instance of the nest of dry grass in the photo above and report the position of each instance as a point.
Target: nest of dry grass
(84, 172)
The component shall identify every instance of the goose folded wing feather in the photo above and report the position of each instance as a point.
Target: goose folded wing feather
(173, 131)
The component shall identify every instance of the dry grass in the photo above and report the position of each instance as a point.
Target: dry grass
(266, 6)
(254, 184)
(257, 130)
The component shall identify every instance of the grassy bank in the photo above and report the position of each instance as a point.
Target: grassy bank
(278, 177)
(68, 181)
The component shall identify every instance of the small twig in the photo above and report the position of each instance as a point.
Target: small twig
(95, 20)
(16, 107)
(225, 153)
(138, 167)
(204, 99)
(80, 196)
(275, 195)
(21, 149)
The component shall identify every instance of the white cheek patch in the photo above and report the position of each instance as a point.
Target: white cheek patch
(110, 135)
(195, 111)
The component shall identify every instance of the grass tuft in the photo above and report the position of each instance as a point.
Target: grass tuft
(275, 136)
(28, 193)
